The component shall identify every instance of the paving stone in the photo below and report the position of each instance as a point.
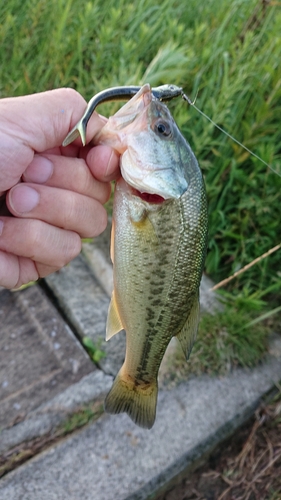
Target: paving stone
(44, 419)
(97, 254)
(114, 459)
(39, 355)
(85, 303)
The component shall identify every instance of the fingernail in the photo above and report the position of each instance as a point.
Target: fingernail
(23, 198)
(1, 226)
(39, 170)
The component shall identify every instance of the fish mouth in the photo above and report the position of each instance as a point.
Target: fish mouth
(151, 198)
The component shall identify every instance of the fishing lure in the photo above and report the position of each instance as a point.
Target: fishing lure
(163, 93)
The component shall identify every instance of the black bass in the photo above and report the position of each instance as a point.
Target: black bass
(158, 248)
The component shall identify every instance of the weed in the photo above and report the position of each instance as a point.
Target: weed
(94, 351)
(80, 418)
(226, 339)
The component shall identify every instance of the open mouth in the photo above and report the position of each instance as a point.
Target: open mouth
(150, 198)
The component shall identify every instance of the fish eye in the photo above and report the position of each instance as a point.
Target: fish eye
(162, 128)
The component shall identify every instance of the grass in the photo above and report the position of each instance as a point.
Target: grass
(227, 51)
(225, 340)
(235, 335)
(94, 351)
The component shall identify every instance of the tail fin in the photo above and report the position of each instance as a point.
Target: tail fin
(138, 401)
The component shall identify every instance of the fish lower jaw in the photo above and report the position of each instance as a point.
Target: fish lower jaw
(148, 197)
(151, 198)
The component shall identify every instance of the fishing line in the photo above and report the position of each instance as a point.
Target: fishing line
(192, 103)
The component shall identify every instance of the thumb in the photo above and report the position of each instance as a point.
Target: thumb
(41, 121)
(36, 123)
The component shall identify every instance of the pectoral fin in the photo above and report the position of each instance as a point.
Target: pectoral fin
(187, 335)
(114, 323)
(143, 225)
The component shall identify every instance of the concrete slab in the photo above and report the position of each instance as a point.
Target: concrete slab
(97, 255)
(115, 459)
(45, 419)
(85, 303)
(39, 355)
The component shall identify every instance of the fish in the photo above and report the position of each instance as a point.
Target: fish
(158, 248)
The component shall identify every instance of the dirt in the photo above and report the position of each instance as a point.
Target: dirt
(246, 467)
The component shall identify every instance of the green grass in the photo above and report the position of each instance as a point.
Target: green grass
(94, 351)
(80, 418)
(225, 340)
(227, 51)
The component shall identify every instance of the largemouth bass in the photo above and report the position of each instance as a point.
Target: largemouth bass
(158, 248)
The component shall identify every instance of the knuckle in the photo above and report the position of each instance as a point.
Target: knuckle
(68, 247)
(94, 222)
(69, 210)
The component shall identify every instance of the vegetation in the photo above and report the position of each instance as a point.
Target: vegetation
(225, 341)
(235, 335)
(245, 467)
(94, 351)
(227, 51)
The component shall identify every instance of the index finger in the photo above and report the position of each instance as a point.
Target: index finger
(41, 121)
(38, 123)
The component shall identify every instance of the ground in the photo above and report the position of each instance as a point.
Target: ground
(246, 467)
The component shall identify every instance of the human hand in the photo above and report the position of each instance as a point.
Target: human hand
(50, 197)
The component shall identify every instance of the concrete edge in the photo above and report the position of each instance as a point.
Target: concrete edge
(188, 462)
(40, 422)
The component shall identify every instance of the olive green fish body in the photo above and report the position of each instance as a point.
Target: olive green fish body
(158, 251)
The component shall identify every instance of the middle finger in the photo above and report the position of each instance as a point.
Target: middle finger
(59, 207)
(72, 174)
